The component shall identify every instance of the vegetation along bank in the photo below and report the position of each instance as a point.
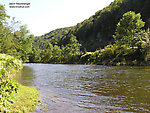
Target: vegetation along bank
(15, 97)
(116, 35)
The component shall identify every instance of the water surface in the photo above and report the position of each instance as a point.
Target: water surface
(88, 88)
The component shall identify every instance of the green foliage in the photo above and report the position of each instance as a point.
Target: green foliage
(7, 86)
(13, 41)
(88, 58)
(129, 30)
(24, 43)
(56, 54)
(44, 51)
(10, 62)
(97, 31)
(132, 44)
(131, 38)
(71, 51)
(55, 36)
(118, 55)
(3, 14)
(13, 96)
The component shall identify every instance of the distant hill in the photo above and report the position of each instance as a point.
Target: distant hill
(97, 31)
(54, 36)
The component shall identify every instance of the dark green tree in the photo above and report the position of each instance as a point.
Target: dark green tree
(129, 30)
(72, 51)
(57, 54)
(47, 53)
(24, 43)
(3, 30)
(131, 40)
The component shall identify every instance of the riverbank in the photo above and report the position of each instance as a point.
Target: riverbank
(15, 97)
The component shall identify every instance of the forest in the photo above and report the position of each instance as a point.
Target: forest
(115, 35)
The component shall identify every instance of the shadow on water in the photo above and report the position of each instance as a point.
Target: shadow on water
(25, 76)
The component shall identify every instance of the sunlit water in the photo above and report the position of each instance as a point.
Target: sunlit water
(88, 88)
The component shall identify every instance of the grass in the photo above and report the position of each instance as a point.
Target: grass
(25, 100)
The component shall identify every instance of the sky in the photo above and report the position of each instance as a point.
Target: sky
(43, 16)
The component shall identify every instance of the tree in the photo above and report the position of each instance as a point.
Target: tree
(72, 51)
(14, 41)
(3, 30)
(57, 54)
(129, 30)
(3, 14)
(46, 53)
(24, 43)
(131, 40)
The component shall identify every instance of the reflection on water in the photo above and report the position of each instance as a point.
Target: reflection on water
(25, 76)
(89, 88)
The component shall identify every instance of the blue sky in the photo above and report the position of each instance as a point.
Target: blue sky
(44, 16)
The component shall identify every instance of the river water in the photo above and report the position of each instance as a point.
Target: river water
(88, 88)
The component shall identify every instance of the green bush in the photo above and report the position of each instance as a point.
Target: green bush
(14, 97)
(7, 86)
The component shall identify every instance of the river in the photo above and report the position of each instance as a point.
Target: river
(88, 88)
